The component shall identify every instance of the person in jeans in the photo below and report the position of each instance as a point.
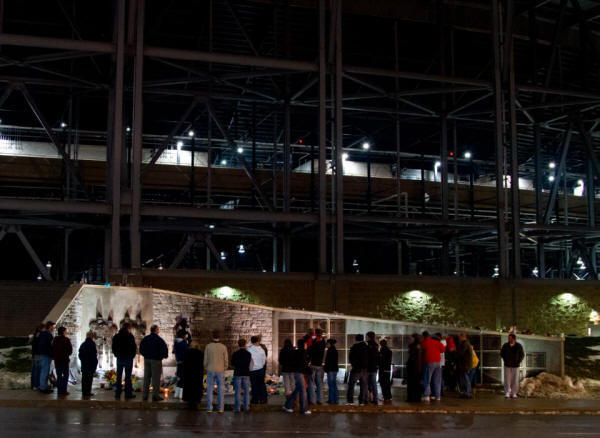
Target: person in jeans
(385, 371)
(240, 360)
(316, 354)
(432, 371)
(464, 364)
(286, 358)
(44, 350)
(88, 355)
(124, 349)
(215, 364)
(61, 352)
(359, 361)
(331, 368)
(257, 379)
(299, 368)
(372, 365)
(180, 346)
(512, 355)
(36, 358)
(154, 349)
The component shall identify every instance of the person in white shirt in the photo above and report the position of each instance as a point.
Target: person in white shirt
(257, 371)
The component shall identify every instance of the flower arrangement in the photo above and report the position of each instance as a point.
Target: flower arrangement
(111, 377)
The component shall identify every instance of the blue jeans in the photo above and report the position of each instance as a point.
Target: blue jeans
(464, 377)
(241, 383)
(300, 390)
(315, 385)
(372, 384)
(127, 365)
(36, 367)
(332, 396)
(432, 378)
(211, 380)
(361, 377)
(44, 371)
(62, 377)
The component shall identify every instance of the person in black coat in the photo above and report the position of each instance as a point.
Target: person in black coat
(385, 373)
(359, 360)
(286, 359)
(414, 366)
(124, 349)
(88, 355)
(193, 375)
(331, 368)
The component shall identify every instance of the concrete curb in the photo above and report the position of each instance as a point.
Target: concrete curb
(325, 409)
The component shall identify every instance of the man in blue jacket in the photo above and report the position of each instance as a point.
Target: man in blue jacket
(154, 349)
(124, 349)
(44, 350)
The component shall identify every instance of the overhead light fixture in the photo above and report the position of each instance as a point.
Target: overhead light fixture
(190, 133)
(63, 125)
(551, 164)
(128, 129)
(223, 162)
(468, 155)
(551, 178)
(160, 267)
(39, 277)
(49, 265)
(437, 164)
(223, 255)
(366, 146)
(179, 144)
(241, 249)
(580, 182)
(240, 150)
(345, 156)
(211, 226)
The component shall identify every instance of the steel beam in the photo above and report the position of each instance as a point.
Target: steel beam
(183, 251)
(34, 257)
(559, 173)
(7, 39)
(136, 149)
(322, 142)
(215, 253)
(117, 140)
(339, 141)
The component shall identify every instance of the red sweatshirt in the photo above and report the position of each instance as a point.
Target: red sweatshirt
(432, 350)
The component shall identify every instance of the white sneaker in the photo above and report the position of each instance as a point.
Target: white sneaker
(425, 399)
(514, 396)
(307, 413)
(507, 395)
(290, 411)
(438, 398)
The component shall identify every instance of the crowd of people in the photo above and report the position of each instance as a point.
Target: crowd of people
(435, 364)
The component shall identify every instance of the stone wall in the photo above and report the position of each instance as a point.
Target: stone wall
(71, 320)
(541, 306)
(232, 320)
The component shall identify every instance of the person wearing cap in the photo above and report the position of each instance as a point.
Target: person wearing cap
(44, 350)
(331, 368)
(61, 352)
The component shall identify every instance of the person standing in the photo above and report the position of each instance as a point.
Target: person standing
(299, 368)
(359, 361)
(180, 346)
(154, 349)
(88, 355)
(385, 371)
(44, 350)
(372, 365)
(193, 375)
(286, 358)
(464, 364)
(432, 371)
(512, 355)
(257, 379)
(414, 368)
(215, 364)
(124, 349)
(316, 354)
(61, 352)
(240, 360)
(36, 358)
(331, 368)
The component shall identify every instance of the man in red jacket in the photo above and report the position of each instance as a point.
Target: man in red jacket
(432, 370)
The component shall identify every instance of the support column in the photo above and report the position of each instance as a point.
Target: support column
(590, 195)
(339, 140)
(117, 144)
(65, 272)
(136, 153)
(498, 141)
(322, 143)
